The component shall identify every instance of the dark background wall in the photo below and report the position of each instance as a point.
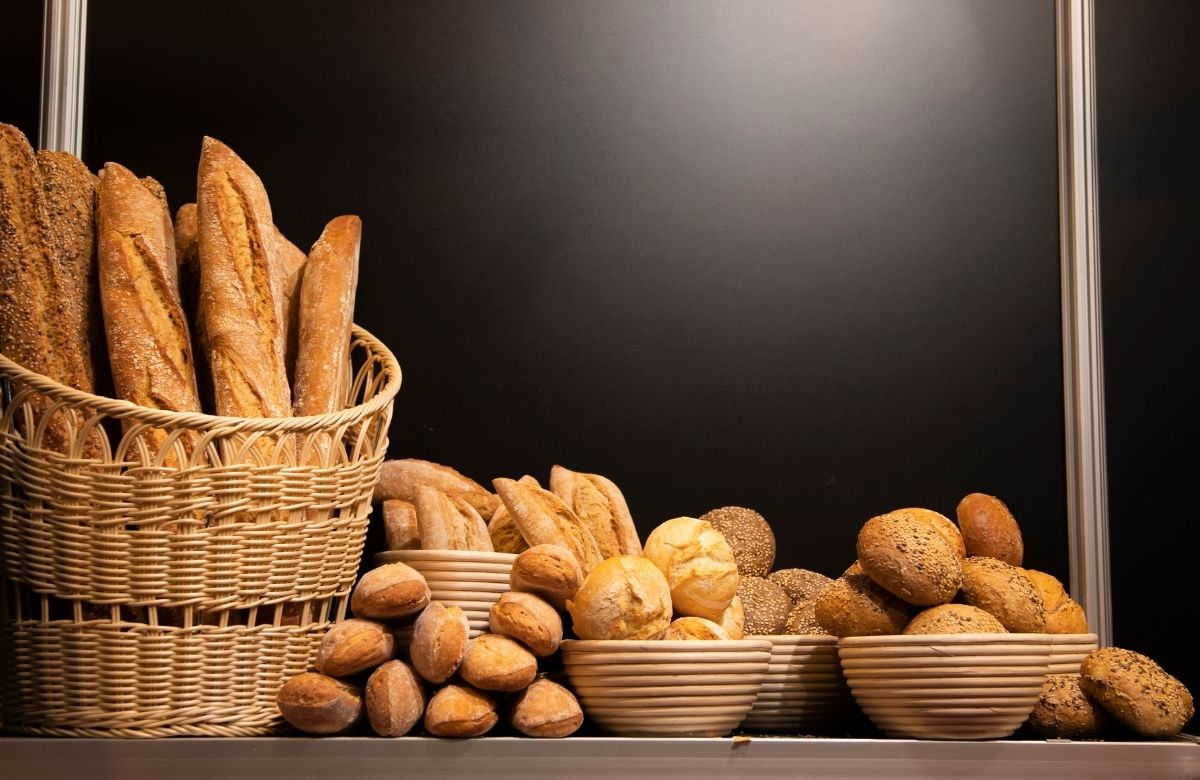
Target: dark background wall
(1148, 96)
(21, 58)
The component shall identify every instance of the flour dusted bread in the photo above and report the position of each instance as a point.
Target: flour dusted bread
(149, 342)
(320, 704)
(625, 597)
(439, 641)
(395, 699)
(399, 478)
(400, 530)
(457, 710)
(544, 518)
(545, 709)
(690, 627)
(389, 591)
(529, 619)
(506, 537)
(241, 287)
(698, 564)
(498, 663)
(354, 646)
(449, 522)
(549, 571)
(599, 503)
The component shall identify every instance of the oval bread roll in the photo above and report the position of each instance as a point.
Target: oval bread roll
(989, 529)
(497, 663)
(855, 605)
(1064, 711)
(528, 619)
(954, 619)
(1003, 590)
(449, 522)
(910, 557)
(625, 597)
(545, 709)
(549, 571)
(698, 564)
(319, 704)
(1136, 691)
(439, 641)
(460, 711)
(400, 531)
(354, 646)
(390, 591)
(395, 700)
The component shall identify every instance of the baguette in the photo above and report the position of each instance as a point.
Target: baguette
(543, 518)
(292, 261)
(241, 288)
(326, 311)
(400, 478)
(187, 253)
(598, 502)
(149, 344)
(447, 522)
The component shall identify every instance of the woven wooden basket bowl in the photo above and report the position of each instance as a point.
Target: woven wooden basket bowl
(163, 573)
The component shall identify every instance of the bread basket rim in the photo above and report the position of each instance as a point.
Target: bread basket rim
(117, 408)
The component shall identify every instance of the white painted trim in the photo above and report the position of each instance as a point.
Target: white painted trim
(1083, 364)
(64, 45)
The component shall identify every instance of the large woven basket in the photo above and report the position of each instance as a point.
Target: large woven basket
(152, 589)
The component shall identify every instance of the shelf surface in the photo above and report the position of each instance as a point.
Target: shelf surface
(496, 758)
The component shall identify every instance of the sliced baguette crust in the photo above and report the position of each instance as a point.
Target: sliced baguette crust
(149, 344)
(447, 522)
(600, 505)
(241, 288)
(399, 478)
(543, 518)
(326, 310)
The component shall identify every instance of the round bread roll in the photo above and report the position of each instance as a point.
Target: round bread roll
(1051, 587)
(733, 619)
(1064, 711)
(545, 709)
(319, 704)
(497, 663)
(800, 584)
(943, 524)
(803, 619)
(766, 606)
(1067, 618)
(691, 627)
(989, 530)
(354, 646)
(460, 711)
(390, 591)
(908, 556)
(1003, 590)
(954, 619)
(855, 605)
(1136, 691)
(749, 536)
(529, 619)
(698, 564)
(549, 571)
(439, 641)
(625, 597)
(395, 699)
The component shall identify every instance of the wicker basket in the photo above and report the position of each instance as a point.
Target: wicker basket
(151, 589)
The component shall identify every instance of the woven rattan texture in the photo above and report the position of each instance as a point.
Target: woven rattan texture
(163, 573)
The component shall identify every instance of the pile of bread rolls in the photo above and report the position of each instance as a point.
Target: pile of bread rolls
(442, 680)
(918, 572)
(214, 310)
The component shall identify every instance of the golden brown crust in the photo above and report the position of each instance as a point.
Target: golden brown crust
(855, 605)
(599, 503)
(733, 619)
(1067, 618)
(549, 571)
(543, 518)
(395, 700)
(989, 529)
(460, 711)
(319, 704)
(954, 619)
(1138, 692)
(908, 556)
(326, 311)
(354, 646)
(399, 478)
(149, 343)
(241, 288)
(400, 530)
(497, 663)
(695, 628)
(625, 597)
(944, 525)
(545, 709)
(1003, 590)
(1064, 711)
(292, 261)
(449, 522)
(389, 591)
(506, 537)
(528, 619)
(439, 641)
(698, 564)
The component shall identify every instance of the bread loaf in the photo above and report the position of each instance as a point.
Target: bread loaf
(389, 591)
(802, 619)
(399, 478)
(460, 711)
(766, 606)
(800, 584)
(506, 537)
(855, 605)
(599, 503)
(549, 571)
(497, 663)
(1003, 590)
(1064, 711)
(989, 529)
(292, 263)
(910, 557)
(625, 597)
(543, 518)
(1136, 691)
(319, 704)
(354, 646)
(439, 641)
(698, 564)
(400, 530)
(749, 536)
(545, 709)
(528, 619)
(149, 343)
(241, 288)
(733, 619)
(954, 619)
(694, 628)
(395, 700)
(449, 522)
(326, 311)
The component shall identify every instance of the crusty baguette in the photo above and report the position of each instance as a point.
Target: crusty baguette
(326, 311)
(600, 505)
(292, 261)
(399, 478)
(149, 342)
(240, 287)
(447, 522)
(543, 518)
(187, 253)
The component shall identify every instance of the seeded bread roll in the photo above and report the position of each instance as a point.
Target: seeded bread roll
(354, 646)
(449, 522)
(800, 584)
(855, 605)
(689, 627)
(549, 571)
(319, 704)
(395, 700)
(545, 709)
(733, 619)
(497, 663)
(989, 529)
(954, 619)
(749, 536)
(400, 530)
(625, 597)
(389, 591)
(1136, 691)
(506, 537)
(942, 524)
(1064, 711)
(1064, 615)
(528, 619)
(766, 605)
(909, 557)
(698, 564)
(241, 288)
(460, 711)
(439, 641)
(399, 478)
(1003, 590)
(599, 503)
(803, 619)
(543, 518)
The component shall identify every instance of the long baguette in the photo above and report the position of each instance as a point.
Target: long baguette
(149, 342)
(543, 518)
(599, 503)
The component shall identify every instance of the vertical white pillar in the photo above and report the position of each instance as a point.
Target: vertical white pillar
(64, 44)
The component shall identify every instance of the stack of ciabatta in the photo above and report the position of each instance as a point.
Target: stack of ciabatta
(213, 311)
